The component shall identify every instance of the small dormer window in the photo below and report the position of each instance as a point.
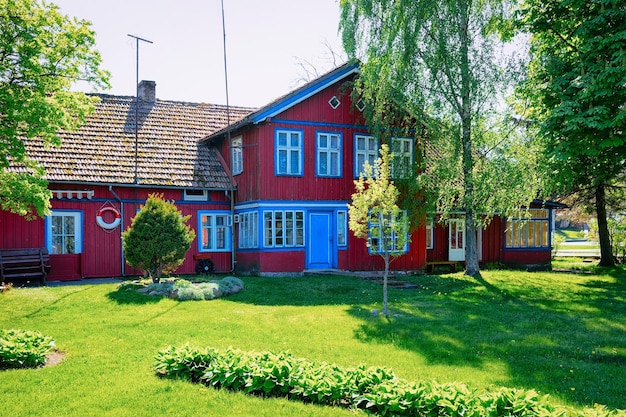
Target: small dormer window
(334, 102)
(196, 195)
(360, 105)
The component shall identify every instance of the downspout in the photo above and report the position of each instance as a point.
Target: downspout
(117, 197)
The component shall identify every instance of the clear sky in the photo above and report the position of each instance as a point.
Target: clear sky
(272, 45)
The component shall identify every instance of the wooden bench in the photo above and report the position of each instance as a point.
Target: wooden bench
(430, 265)
(24, 264)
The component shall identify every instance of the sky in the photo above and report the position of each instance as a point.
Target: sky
(272, 46)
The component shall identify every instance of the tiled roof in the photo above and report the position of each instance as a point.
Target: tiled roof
(103, 149)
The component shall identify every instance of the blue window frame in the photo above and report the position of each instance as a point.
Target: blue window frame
(365, 149)
(283, 228)
(328, 155)
(215, 231)
(380, 241)
(249, 230)
(531, 232)
(64, 232)
(342, 227)
(289, 152)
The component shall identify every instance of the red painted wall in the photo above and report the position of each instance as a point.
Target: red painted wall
(101, 255)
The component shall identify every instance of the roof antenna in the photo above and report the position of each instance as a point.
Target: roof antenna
(229, 146)
(137, 39)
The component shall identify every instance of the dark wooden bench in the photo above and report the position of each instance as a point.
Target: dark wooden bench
(24, 264)
(432, 264)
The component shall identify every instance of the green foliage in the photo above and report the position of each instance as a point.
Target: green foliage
(23, 348)
(575, 92)
(376, 390)
(42, 53)
(374, 213)
(444, 64)
(158, 238)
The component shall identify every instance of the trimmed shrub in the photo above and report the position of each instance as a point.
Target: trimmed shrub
(24, 348)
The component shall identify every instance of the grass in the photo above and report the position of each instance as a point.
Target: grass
(563, 334)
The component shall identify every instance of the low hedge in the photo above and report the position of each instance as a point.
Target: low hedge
(23, 348)
(376, 390)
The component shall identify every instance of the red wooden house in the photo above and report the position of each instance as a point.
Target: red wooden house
(267, 193)
(295, 162)
(101, 175)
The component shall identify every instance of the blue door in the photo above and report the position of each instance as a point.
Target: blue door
(320, 244)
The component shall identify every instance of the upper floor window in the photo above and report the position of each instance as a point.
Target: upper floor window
(236, 155)
(365, 149)
(64, 232)
(529, 232)
(328, 162)
(289, 152)
(214, 231)
(402, 149)
(196, 195)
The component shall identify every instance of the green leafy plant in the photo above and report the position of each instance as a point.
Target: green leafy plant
(158, 238)
(376, 390)
(24, 348)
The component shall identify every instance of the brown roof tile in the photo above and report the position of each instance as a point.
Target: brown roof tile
(103, 149)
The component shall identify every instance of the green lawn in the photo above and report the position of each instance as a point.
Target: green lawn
(561, 334)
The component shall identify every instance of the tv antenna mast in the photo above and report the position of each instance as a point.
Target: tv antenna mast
(137, 39)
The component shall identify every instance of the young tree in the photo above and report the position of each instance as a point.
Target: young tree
(442, 61)
(576, 91)
(375, 215)
(42, 53)
(158, 238)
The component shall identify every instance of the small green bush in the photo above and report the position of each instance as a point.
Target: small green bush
(182, 289)
(376, 390)
(23, 348)
(188, 293)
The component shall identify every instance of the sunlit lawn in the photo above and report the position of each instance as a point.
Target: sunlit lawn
(561, 334)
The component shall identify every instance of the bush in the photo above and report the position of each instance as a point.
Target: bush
(376, 390)
(23, 348)
(158, 238)
(182, 289)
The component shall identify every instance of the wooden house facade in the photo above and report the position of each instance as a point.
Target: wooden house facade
(267, 193)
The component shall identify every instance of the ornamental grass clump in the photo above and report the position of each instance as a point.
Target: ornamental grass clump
(24, 348)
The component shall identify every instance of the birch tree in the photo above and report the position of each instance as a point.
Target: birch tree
(443, 63)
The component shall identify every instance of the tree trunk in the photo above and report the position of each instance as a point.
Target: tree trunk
(471, 254)
(606, 250)
(385, 279)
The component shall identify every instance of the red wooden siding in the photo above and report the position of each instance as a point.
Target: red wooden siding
(101, 255)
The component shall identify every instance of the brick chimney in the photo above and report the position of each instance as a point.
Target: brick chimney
(146, 91)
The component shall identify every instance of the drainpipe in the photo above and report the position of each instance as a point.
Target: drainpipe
(117, 197)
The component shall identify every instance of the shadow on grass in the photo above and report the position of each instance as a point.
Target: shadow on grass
(129, 295)
(574, 348)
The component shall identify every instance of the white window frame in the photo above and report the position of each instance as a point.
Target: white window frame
(283, 228)
(531, 232)
(402, 149)
(77, 233)
(366, 153)
(215, 232)
(236, 155)
(249, 230)
(430, 234)
(293, 152)
(197, 195)
(328, 152)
